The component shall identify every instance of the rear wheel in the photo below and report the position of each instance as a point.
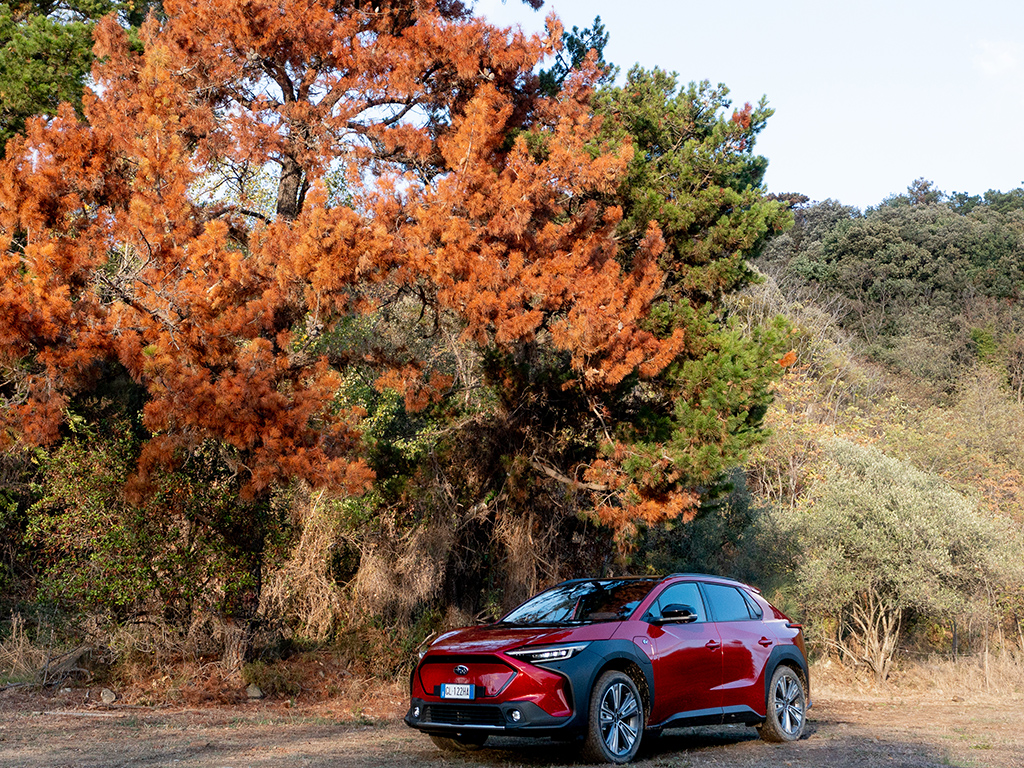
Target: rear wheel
(787, 707)
(616, 722)
(460, 742)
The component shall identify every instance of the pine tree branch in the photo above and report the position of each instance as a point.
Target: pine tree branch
(554, 474)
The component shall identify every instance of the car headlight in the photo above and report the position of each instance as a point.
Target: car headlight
(538, 654)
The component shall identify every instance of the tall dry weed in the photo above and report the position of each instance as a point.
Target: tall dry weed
(401, 571)
(24, 659)
(531, 556)
(522, 558)
(158, 643)
(302, 588)
(979, 676)
(20, 658)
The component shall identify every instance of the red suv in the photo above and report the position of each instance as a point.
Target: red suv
(609, 659)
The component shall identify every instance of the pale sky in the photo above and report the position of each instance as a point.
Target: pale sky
(868, 96)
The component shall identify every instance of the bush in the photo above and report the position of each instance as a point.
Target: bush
(881, 541)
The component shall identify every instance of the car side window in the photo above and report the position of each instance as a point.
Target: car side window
(756, 612)
(727, 603)
(684, 593)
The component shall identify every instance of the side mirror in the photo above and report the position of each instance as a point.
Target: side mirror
(676, 613)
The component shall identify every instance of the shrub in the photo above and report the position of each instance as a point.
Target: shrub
(881, 541)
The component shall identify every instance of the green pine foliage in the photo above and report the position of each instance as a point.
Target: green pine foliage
(46, 54)
(695, 173)
(42, 63)
(576, 46)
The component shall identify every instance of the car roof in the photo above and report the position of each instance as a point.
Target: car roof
(660, 578)
(712, 577)
(583, 579)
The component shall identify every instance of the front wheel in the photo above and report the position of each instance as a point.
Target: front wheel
(616, 722)
(461, 742)
(787, 707)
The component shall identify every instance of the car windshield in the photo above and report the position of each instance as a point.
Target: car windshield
(583, 602)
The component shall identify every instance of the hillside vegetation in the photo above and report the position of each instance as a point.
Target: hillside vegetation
(894, 469)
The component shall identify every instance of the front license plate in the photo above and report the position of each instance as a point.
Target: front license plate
(456, 691)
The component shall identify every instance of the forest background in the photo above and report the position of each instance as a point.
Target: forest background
(326, 326)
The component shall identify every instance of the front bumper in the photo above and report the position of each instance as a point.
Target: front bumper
(511, 716)
(507, 695)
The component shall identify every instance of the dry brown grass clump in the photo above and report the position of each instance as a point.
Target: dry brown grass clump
(968, 678)
(402, 571)
(302, 587)
(28, 661)
(20, 658)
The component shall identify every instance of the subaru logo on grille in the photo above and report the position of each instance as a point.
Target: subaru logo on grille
(462, 669)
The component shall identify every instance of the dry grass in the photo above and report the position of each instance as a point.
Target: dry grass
(160, 643)
(33, 661)
(154, 661)
(398, 573)
(302, 587)
(523, 556)
(980, 676)
(969, 678)
(20, 658)
(362, 673)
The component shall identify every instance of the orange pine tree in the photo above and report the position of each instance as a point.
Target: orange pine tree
(132, 241)
(412, 152)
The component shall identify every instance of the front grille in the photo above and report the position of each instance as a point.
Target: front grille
(463, 714)
(489, 674)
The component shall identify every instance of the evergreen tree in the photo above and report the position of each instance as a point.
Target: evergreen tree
(46, 53)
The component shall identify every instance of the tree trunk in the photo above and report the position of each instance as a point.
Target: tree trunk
(237, 633)
(243, 588)
(291, 189)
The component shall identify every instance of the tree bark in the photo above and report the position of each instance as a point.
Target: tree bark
(237, 634)
(291, 189)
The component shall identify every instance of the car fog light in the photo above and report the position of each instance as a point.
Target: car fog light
(415, 711)
(516, 715)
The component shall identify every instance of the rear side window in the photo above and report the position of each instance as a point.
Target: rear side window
(756, 612)
(728, 603)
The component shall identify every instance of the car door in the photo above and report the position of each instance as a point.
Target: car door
(746, 647)
(686, 658)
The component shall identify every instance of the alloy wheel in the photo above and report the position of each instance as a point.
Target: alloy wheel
(620, 718)
(788, 700)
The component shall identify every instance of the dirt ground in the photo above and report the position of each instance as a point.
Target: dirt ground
(66, 730)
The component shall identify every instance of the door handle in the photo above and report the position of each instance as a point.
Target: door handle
(713, 645)
(764, 642)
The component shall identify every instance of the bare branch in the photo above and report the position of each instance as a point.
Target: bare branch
(554, 474)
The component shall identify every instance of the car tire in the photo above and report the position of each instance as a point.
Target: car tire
(616, 723)
(786, 707)
(463, 742)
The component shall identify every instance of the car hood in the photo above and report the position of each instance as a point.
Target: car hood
(493, 638)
